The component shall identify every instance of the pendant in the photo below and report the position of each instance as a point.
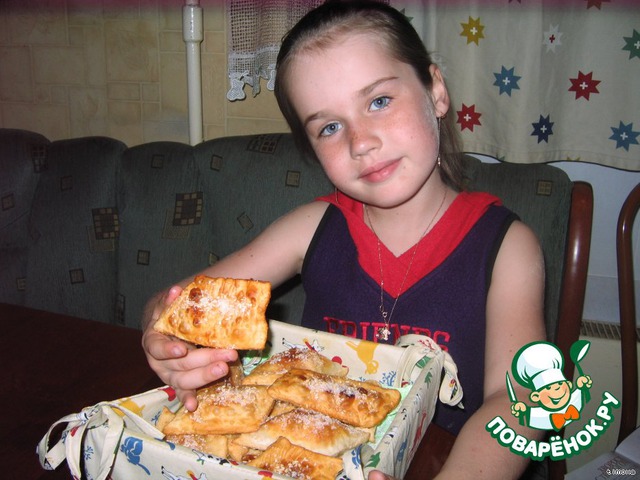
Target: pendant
(383, 333)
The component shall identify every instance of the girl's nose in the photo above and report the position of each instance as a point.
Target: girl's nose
(363, 140)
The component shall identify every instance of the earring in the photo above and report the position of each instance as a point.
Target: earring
(439, 160)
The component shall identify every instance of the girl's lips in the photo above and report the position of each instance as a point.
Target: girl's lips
(380, 171)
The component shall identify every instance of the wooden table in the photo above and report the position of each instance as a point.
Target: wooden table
(56, 365)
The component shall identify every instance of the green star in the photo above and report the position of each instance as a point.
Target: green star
(633, 45)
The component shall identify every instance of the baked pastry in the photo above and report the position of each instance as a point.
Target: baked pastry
(312, 430)
(297, 462)
(219, 313)
(223, 409)
(361, 404)
(280, 363)
(212, 444)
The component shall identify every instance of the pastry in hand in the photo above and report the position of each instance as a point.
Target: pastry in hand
(361, 404)
(296, 357)
(285, 458)
(223, 409)
(219, 313)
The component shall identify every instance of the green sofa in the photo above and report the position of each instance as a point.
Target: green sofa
(92, 228)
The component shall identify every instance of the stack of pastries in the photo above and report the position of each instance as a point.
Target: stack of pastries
(294, 414)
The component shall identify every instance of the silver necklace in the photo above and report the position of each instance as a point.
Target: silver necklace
(384, 332)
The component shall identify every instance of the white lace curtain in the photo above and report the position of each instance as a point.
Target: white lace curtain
(256, 30)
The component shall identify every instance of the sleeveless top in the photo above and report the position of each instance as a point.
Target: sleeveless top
(444, 295)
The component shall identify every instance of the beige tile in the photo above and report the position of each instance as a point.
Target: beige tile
(124, 122)
(214, 42)
(81, 12)
(214, 89)
(151, 112)
(52, 121)
(122, 10)
(76, 36)
(174, 86)
(170, 16)
(151, 92)
(244, 126)
(94, 56)
(4, 30)
(132, 50)
(59, 65)
(42, 94)
(37, 22)
(15, 74)
(214, 131)
(59, 95)
(214, 15)
(166, 131)
(171, 42)
(264, 105)
(123, 91)
(87, 111)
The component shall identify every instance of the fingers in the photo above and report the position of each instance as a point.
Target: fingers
(378, 475)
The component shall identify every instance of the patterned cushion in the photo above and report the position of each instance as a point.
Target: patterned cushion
(541, 195)
(253, 180)
(74, 229)
(166, 230)
(22, 158)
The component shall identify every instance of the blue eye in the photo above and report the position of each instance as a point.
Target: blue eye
(380, 103)
(330, 129)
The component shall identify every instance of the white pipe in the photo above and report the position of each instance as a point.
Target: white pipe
(192, 32)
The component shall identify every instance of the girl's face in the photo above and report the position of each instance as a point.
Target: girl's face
(369, 119)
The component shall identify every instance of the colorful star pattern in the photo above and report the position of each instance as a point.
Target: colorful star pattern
(543, 128)
(552, 38)
(468, 117)
(473, 30)
(584, 85)
(633, 45)
(624, 136)
(559, 83)
(506, 80)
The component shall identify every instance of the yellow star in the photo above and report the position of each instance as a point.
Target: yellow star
(130, 405)
(473, 30)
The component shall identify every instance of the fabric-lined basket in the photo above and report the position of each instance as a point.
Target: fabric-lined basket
(118, 439)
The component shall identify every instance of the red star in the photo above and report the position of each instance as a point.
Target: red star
(468, 117)
(584, 85)
(596, 3)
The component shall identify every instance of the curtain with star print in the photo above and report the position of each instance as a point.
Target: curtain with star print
(539, 80)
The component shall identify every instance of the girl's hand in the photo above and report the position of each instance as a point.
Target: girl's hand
(179, 364)
(378, 475)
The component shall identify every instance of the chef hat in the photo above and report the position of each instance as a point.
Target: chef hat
(537, 365)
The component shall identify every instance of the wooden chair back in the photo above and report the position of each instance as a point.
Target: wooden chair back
(628, 329)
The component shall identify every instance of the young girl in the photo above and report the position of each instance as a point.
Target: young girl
(399, 247)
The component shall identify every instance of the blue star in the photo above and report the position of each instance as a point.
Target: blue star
(542, 129)
(506, 80)
(624, 136)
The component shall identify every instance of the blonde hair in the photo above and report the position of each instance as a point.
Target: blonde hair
(324, 26)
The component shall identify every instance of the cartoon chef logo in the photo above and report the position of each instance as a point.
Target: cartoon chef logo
(556, 401)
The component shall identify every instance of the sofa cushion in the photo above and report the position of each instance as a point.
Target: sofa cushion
(22, 158)
(166, 228)
(541, 195)
(252, 181)
(74, 230)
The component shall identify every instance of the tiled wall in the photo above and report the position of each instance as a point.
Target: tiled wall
(71, 68)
